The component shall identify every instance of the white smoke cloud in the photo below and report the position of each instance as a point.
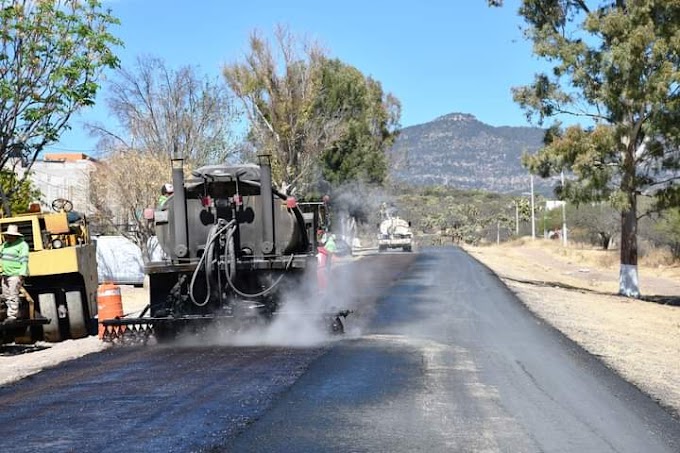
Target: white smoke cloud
(303, 319)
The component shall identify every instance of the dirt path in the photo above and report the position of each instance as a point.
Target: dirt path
(574, 290)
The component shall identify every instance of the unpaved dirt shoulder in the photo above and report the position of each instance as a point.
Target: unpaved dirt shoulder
(639, 340)
(20, 361)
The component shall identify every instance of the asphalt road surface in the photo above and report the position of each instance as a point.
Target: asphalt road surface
(445, 359)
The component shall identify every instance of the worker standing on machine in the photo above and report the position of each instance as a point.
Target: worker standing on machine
(14, 261)
(166, 191)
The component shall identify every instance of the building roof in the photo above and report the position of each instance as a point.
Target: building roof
(66, 157)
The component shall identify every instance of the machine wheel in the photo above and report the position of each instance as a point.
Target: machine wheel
(48, 308)
(77, 317)
(336, 326)
(62, 204)
(164, 332)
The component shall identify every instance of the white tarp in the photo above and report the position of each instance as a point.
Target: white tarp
(120, 261)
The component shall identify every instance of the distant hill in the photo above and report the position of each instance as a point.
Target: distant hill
(457, 150)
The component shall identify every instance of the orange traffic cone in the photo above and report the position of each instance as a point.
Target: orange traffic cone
(109, 304)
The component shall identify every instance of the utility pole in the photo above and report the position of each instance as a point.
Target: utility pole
(533, 215)
(516, 218)
(564, 215)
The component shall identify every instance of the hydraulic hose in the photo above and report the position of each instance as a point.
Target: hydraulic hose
(227, 258)
(213, 234)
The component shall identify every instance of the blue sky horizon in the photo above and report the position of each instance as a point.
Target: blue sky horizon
(437, 59)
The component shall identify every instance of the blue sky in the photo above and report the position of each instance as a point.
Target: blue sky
(448, 56)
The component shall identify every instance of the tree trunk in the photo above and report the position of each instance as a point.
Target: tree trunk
(605, 239)
(628, 275)
(675, 250)
(6, 207)
(146, 253)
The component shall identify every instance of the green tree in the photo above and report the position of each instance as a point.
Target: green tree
(278, 86)
(51, 56)
(617, 65)
(23, 190)
(370, 124)
(316, 116)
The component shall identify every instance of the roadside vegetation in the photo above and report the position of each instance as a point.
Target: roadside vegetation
(443, 215)
(613, 70)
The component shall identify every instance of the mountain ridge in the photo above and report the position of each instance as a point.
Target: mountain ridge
(458, 150)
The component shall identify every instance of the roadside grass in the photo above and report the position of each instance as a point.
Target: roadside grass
(650, 257)
(658, 257)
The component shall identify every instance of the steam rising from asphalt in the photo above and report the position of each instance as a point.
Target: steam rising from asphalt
(303, 319)
(297, 323)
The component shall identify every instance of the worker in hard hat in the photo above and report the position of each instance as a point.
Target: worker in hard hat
(166, 191)
(14, 260)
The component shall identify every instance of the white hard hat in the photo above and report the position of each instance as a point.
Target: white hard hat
(12, 230)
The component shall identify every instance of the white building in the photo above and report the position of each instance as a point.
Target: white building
(553, 204)
(63, 175)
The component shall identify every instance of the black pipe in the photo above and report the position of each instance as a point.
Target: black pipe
(266, 194)
(179, 209)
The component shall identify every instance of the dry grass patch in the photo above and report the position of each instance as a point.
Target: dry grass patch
(658, 257)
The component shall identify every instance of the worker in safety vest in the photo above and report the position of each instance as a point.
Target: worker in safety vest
(166, 191)
(330, 247)
(14, 261)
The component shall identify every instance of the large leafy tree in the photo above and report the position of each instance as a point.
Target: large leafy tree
(315, 116)
(617, 65)
(52, 53)
(370, 120)
(277, 85)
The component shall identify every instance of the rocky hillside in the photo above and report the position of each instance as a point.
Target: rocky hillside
(460, 151)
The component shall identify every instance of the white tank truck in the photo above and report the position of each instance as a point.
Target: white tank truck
(395, 232)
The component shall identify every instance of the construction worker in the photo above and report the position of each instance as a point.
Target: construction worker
(331, 248)
(166, 191)
(14, 261)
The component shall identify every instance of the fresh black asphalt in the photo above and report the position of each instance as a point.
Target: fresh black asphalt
(454, 362)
